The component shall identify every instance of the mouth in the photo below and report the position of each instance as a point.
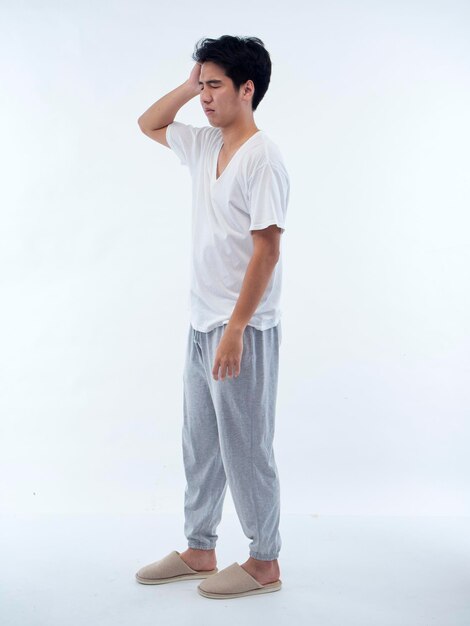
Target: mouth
(209, 110)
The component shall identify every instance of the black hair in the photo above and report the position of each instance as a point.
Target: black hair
(242, 58)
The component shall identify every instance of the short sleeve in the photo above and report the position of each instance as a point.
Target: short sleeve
(268, 197)
(185, 141)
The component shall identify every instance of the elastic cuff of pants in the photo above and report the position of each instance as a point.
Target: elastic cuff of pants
(263, 557)
(198, 546)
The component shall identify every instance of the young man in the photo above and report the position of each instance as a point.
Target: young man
(240, 198)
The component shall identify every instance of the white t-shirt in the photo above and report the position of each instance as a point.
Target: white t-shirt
(251, 193)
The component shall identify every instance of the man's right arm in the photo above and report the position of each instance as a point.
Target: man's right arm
(156, 118)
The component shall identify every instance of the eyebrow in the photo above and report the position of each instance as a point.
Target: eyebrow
(213, 80)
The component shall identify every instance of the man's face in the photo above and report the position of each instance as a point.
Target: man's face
(219, 99)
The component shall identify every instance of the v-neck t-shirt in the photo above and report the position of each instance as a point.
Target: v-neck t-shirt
(251, 193)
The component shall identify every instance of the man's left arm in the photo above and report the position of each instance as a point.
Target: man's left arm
(266, 251)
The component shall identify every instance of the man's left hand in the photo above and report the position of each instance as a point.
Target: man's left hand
(228, 355)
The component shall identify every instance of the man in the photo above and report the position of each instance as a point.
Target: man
(240, 198)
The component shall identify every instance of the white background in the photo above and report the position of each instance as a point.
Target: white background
(369, 105)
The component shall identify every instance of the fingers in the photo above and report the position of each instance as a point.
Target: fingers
(227, 368)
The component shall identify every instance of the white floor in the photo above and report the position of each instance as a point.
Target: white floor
(336, 571)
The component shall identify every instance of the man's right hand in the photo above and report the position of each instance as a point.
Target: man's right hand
(193, 79)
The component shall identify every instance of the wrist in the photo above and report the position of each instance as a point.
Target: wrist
(191, 88)
(236, 328)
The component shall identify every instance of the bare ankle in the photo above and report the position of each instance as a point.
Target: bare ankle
(211, 551)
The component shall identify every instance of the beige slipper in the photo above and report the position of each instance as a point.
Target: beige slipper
(169, 569)
(233, 582)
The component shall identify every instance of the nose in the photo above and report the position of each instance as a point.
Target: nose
(205, 96)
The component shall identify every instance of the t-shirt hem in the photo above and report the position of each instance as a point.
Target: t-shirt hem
(261, 225)
(211, 327)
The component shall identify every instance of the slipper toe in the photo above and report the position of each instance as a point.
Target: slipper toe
(233, 582)
(170, 568)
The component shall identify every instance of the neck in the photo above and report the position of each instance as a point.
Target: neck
(237, 133)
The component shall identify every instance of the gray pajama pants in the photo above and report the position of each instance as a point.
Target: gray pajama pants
(227, 437)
